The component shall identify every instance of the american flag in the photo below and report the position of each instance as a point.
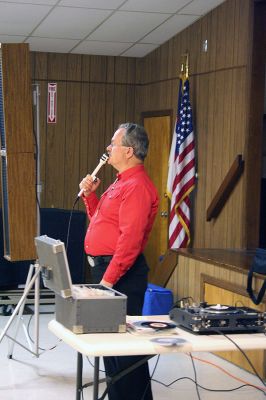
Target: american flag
(181, 174)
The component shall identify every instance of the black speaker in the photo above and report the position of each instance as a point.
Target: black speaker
(54, 223)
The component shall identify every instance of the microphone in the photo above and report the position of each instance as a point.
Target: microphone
(102, 161)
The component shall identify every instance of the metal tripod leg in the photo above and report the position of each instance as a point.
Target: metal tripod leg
(19, 318)
(21, 302)
(36, 314)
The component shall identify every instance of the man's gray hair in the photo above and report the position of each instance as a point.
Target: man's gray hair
(136, 137)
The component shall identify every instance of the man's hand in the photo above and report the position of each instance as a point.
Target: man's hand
(105, 283)
(89, 185)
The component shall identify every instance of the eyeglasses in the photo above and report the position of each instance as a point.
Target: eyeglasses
(116, 145)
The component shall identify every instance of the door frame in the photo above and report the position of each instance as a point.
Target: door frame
(157, 113)
(169, 114)
(160, 113)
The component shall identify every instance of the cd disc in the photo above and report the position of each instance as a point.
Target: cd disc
(169, 341)
(157, 325)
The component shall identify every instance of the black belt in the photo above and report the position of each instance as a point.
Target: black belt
(97, 260)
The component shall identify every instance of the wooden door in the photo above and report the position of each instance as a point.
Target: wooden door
(156, 164)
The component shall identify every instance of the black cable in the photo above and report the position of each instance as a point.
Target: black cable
(153, 372)
(195, 375)
(32, 341)
(208, 389)
(219, 390)
(69, 222)
(100, 370)
(36, 156)
(149, 383)
(244, 354)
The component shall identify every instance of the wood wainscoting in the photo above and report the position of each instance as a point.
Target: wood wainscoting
(219, 276)
(215, 292)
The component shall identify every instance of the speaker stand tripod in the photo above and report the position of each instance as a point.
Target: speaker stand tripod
(35, 280)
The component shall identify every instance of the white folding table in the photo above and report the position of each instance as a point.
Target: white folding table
(125, 344)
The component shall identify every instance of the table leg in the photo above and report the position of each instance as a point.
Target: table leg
(79, 376)
(96, 378)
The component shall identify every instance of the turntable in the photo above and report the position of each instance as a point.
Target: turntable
(215, 318)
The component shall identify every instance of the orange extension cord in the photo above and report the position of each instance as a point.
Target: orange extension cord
(226, 372)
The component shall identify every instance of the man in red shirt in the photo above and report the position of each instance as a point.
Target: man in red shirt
(120, 223)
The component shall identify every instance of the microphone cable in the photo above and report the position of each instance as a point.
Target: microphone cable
(195, 376)
(69, 222)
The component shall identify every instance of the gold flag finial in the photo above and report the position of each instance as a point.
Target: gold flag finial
(184, 66)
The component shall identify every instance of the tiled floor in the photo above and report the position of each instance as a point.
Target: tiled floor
(52, 375)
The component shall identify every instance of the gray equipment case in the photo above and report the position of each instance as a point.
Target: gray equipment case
(80, 308)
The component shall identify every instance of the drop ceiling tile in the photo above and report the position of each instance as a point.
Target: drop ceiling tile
(70, 23)
(101, 4)
(34, 2)
(51, 45)
(12, 39)
(108, 25)
(127, 26)
(165, 6)
(139, 50)
(169, 29)
(20, 19)
(95, 47)
(201, 7)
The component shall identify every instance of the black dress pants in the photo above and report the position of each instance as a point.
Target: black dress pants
(136, 385)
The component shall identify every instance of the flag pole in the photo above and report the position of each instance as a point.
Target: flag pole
(181, 164)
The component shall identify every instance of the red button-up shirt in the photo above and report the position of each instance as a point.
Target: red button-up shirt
(121, 220)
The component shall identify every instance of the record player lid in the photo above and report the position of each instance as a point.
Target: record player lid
(55, 269)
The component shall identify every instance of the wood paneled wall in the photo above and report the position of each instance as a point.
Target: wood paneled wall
(220, 81)
(95, 93)
(217, 282)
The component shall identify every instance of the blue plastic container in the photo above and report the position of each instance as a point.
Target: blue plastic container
(157, 300)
